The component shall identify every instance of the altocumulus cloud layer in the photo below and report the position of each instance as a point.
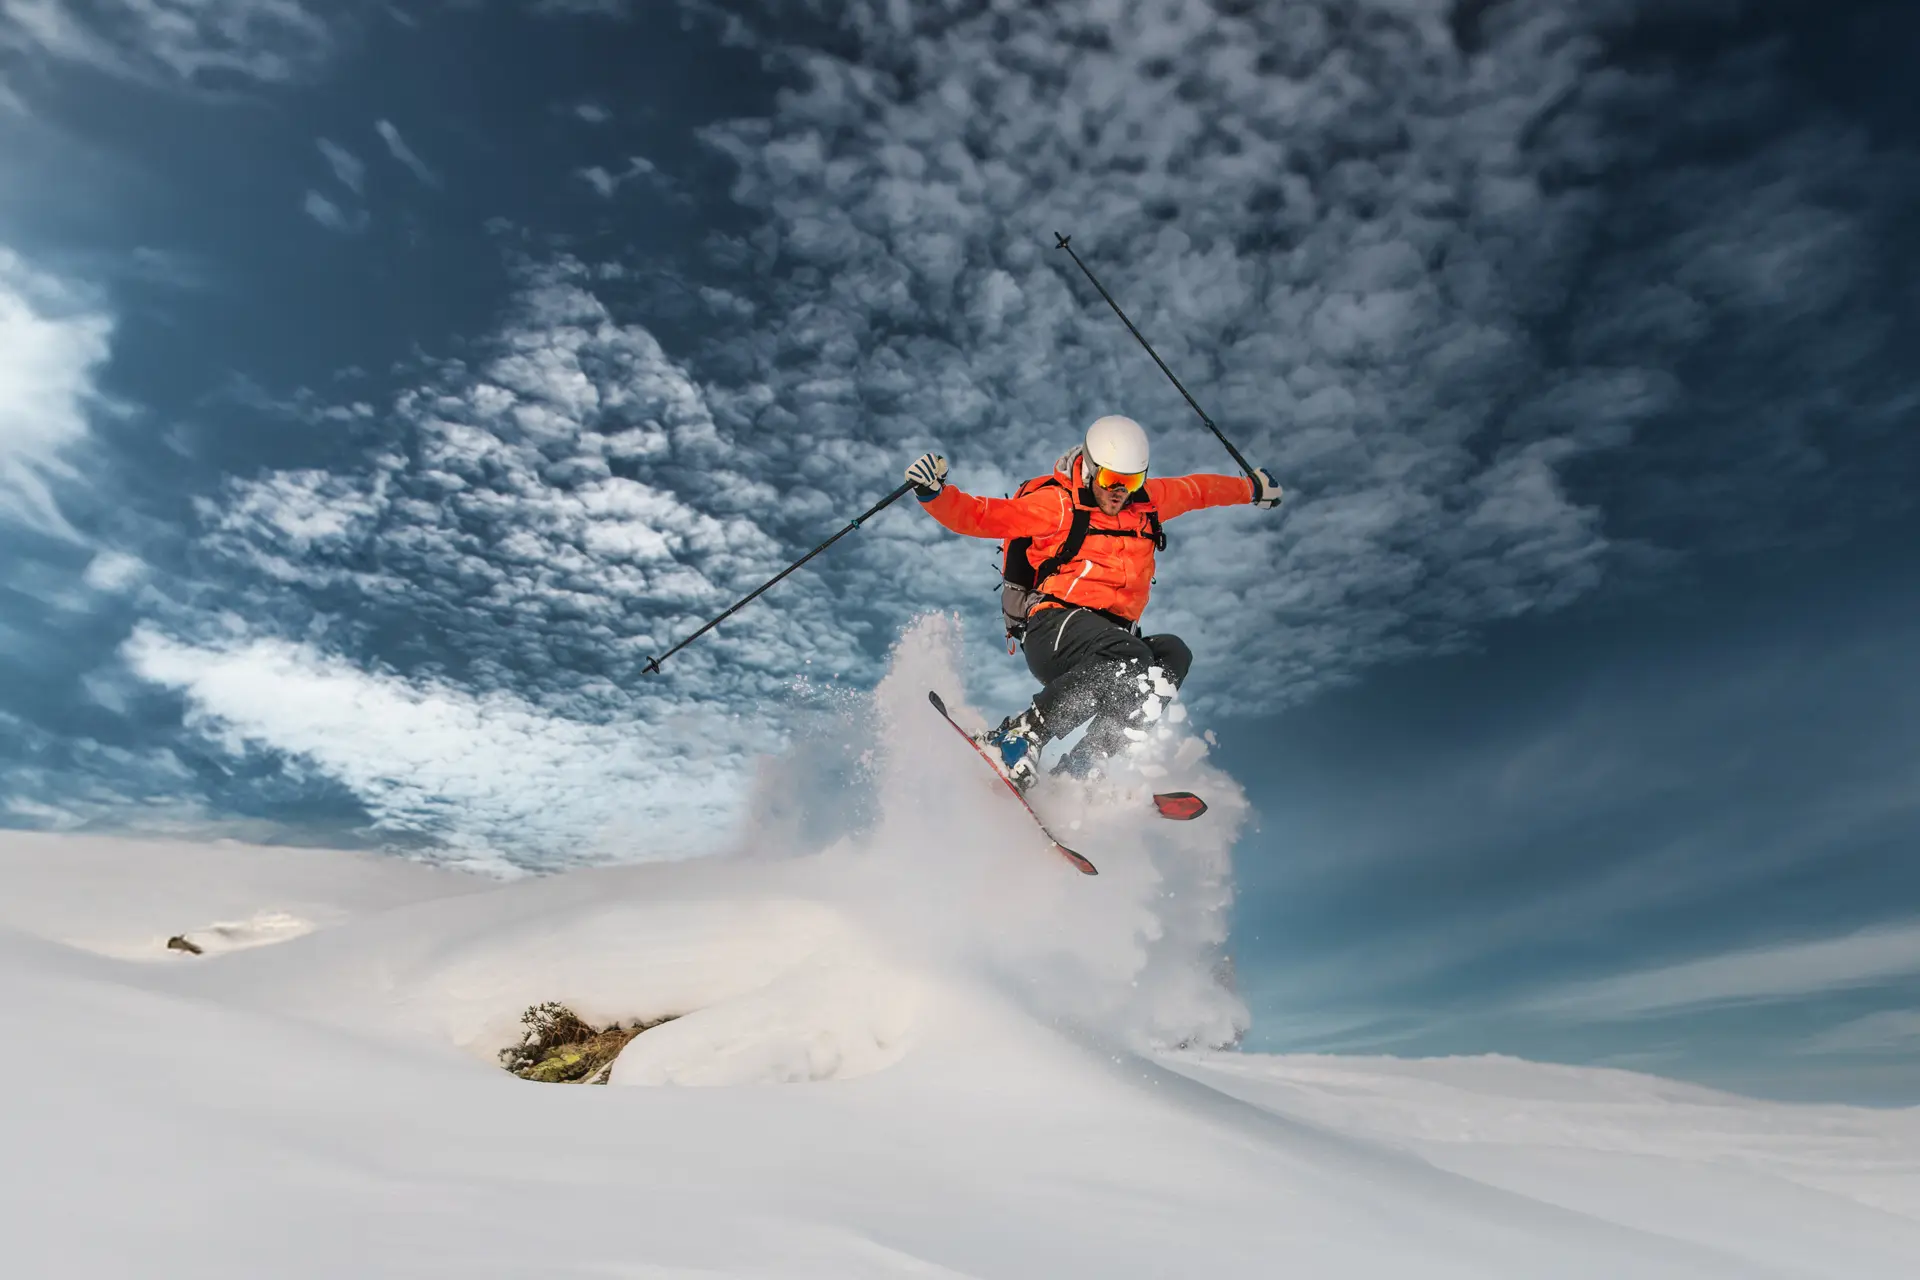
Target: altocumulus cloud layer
(1439, 266)
(1430, 266)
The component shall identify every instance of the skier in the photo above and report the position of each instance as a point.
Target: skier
(1079, 547)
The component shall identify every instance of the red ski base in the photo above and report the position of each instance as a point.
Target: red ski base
(1181, 806)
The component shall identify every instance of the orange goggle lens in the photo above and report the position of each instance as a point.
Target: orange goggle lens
(1128, 480)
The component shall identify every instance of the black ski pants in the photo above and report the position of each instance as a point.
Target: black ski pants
(1091, 664)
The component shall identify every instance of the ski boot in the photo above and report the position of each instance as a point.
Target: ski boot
(1016, 745)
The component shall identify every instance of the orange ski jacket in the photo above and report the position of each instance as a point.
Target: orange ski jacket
(1113, 574)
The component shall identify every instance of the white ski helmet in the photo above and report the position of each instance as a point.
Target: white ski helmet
(1118, 444)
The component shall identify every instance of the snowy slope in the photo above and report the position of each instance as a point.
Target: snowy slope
(1810, 1190)
(927, 1051)
(127, 897)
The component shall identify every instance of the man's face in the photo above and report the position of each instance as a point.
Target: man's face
(1112, 498)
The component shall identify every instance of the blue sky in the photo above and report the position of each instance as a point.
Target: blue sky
(381, 384)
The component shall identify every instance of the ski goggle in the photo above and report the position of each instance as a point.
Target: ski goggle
(1128, 480)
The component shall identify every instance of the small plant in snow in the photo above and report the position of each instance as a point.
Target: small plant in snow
(558, 1047)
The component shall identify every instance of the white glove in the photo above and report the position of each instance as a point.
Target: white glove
(928, 475)
(1267, 494)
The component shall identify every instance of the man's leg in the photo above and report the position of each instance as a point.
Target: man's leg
(1096, 670)
(1085, 660)
(1081, 657)
(1138, 695)
(1171, 655)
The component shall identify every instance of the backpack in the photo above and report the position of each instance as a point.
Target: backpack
(1020, 577)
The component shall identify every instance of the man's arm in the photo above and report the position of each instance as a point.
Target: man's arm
(1177, 495)
(1040, 512)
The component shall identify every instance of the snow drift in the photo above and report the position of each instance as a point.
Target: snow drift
(976, 1048)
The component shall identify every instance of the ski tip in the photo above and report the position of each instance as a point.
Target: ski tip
(1181, 806)
(1086, 868)
(938, 703)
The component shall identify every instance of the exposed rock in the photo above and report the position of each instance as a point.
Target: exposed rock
(558, 1047)
(179, 942)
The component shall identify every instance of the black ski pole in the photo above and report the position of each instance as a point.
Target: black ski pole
(653, 664)
(1063, 242)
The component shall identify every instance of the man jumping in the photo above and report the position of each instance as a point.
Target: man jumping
(1080, 547)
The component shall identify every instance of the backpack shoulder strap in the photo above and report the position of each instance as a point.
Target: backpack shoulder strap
(1076, 534)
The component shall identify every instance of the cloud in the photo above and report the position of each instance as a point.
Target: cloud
(603, 182)
(571, 499)
(476, 773)
(204, 42)
(53, 343)
(347, 167)
(170, 268)
(1552, 810)
(114, 572)
(397, 147)
(638, 169)
(582, 8)
(1778, 971)
(1890, 1031)
(332, 216)
(69, 781)
(551, 516)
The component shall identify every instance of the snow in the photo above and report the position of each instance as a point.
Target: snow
(930, 1048)
(125, 898)
(1811, 1190)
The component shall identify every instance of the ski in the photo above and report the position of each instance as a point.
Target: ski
(1086, 867)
